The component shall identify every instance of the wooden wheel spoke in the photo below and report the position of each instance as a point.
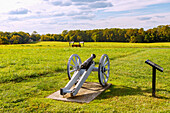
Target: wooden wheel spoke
(72, 65)
(73, 61)
(103, 78)
(72, 70)
(106, 63)
(104, 60)
(106, 75)
(76, 60)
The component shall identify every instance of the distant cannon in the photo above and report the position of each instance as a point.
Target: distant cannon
(78, 72)
(76, 44)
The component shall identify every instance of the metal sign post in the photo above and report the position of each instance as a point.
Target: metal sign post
(154, 67)
(153, 81)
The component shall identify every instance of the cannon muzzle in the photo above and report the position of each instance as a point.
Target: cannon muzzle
(86, 64)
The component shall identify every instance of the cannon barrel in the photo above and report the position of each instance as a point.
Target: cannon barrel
(86, 64)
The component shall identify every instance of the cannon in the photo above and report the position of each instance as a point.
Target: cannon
(78, 72)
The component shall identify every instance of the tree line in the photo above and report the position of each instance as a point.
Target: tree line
(158, 34)
(18, 37)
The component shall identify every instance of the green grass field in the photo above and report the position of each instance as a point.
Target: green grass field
(31, 72)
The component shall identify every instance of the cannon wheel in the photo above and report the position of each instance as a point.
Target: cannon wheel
(73, 65)
(104, 69)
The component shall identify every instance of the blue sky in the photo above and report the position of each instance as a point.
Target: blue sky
(54, 16)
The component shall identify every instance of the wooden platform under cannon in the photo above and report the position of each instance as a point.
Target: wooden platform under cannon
(88, 92)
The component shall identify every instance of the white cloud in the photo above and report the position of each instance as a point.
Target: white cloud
(86, 1)
(54, 16)
(144, 18)
(89, 17)
(19, 11)
(100, 5)
(134, 21)
(123, 5)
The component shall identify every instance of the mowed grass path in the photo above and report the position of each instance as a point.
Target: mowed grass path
(31, 72)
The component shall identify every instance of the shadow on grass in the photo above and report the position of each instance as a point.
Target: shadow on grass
(124, 91)
(19, 78)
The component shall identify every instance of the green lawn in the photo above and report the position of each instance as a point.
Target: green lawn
(31, 72)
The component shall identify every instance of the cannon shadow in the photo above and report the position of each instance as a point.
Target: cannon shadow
(114, 91)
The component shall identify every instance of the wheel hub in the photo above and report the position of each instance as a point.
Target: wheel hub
(77, 67)
(103, 69)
